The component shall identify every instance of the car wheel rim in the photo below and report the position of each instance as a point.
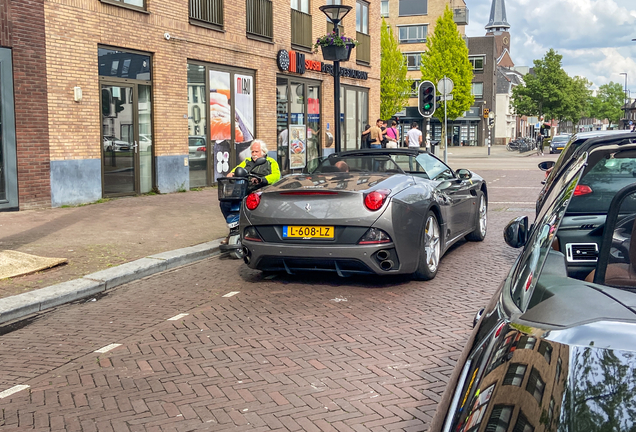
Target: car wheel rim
(483, 216)
(431, 243)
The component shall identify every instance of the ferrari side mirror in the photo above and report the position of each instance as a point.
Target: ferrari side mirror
(464, 174)
(516, 232)
(546, 165)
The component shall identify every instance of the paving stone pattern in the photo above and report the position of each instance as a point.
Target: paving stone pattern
(288, 353)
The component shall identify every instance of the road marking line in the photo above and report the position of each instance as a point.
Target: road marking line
(13, 390)
(232, 293)
(108, 348)
(178, 317)
(510, 202)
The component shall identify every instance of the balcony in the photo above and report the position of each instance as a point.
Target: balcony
(363, 50)
(207, 11)
(301, 29)
(460, 16)
(260, 23)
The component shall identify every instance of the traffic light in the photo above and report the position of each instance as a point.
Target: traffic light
(486, 112)
(119, 105)
(426, 93)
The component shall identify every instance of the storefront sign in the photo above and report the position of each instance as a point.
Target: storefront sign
(292, 61)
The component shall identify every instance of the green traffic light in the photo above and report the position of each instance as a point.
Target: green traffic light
(427, 106)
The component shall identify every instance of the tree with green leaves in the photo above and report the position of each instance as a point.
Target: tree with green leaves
(447, 55)
(608, 102)
(544, 90)
(577, 100)
(395, 88)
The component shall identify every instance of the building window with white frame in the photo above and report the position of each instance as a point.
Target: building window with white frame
(415, 85)
(362, 17)
(384, 8)
(413, 60)
(412, 33)
(478, 90)
(477, 62)
(300, 5)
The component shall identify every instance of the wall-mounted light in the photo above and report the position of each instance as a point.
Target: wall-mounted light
(77, 94)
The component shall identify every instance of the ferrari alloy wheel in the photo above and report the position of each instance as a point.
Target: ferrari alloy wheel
(431, 249)
(482, 220)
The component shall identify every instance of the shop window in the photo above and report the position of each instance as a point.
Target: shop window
(413, 60)
(477, 62)
(207, 11)
(354, 116)
(413, 7)
(477, 90)
(134, 3)
(515, 374)
(384, 8)
(413, 33)
(197, 127)
(259, 16)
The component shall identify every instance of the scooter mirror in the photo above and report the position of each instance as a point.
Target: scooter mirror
(260, 161)
(240, 172)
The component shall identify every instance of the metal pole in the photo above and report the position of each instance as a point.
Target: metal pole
(445, 125)
(336, 96)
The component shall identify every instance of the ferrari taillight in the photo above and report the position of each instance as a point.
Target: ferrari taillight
(253, 200)
(375, 200)
(375, 236)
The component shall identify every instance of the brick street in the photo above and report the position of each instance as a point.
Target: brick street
(283, 353)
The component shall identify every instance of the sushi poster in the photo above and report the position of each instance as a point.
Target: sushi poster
(297, 147)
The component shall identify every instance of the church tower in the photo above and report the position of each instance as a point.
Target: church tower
(498, 27)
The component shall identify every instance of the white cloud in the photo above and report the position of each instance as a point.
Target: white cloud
(593, 36)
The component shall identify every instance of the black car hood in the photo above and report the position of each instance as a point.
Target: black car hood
(578, 379)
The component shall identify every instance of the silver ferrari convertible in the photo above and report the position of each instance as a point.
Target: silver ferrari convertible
(377, 211)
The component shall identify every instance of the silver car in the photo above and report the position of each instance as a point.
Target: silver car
(378, 211)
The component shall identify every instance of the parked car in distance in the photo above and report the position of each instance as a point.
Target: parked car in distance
(558, 143)
(197, 152)
(555, 349)
(112, 143)
(376, 211)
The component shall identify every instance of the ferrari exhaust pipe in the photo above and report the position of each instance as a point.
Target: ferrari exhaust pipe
(247, 256)
(386, 265)
(382, 255)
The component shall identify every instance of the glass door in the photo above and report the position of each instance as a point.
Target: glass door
(120, 149)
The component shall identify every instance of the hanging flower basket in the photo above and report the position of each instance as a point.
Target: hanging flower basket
(336, 53)
(335, 47)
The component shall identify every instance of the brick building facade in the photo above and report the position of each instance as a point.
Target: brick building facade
(139, 95)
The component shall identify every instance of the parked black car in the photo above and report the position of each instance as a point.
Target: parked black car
(555, 349)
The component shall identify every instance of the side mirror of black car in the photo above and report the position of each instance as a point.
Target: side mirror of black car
(477, 316)
(546, 165)
(464, 174)
(516, 232)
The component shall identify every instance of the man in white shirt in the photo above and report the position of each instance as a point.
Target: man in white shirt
(414, 136)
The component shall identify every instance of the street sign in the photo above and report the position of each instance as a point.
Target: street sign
(445, 85)
(447, 97)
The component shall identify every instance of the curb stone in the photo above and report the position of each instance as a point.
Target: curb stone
(22, 305)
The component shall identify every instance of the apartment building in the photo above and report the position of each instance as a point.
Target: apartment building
(123, 97)
(412, 21)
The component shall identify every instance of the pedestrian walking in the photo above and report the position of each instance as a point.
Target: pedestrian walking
(392, 135)
(539, 144)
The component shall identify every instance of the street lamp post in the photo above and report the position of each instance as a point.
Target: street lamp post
(491, 116)
(336, 13)
(625, 96)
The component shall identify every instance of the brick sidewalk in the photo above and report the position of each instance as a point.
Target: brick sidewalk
(99, 236)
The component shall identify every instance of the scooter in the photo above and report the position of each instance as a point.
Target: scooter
(234, 190)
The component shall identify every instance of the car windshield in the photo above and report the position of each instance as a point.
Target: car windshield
(560, 138)
(422, 165)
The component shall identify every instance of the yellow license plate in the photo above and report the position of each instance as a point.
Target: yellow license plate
(307, 232)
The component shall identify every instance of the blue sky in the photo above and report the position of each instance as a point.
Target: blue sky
(593, 36)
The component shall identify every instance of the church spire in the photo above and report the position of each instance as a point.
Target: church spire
(498, 22)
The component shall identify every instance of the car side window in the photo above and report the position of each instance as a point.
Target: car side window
(435, 168)
(541, 236)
